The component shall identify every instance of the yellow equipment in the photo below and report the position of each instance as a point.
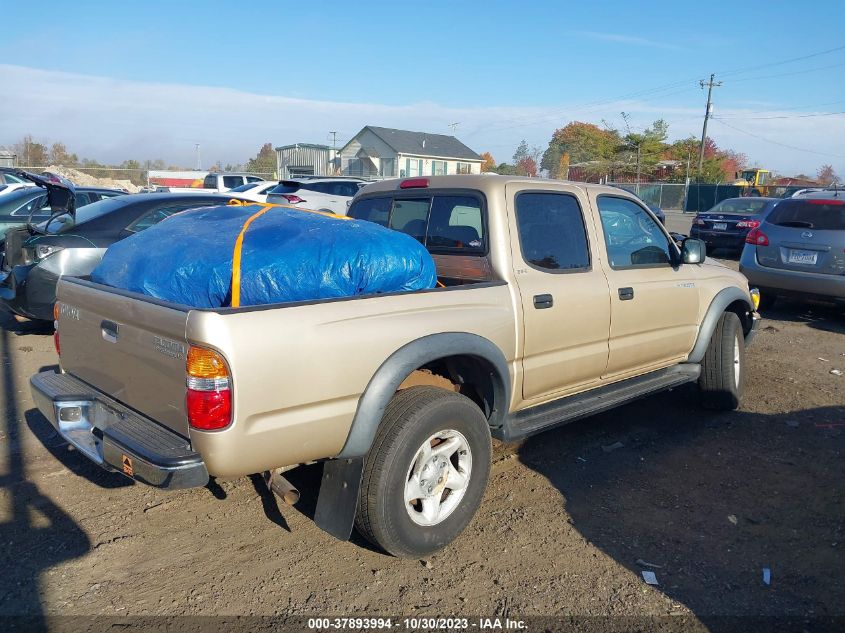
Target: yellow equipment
(757, 181)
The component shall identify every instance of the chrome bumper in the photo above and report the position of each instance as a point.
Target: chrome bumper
(115, 437)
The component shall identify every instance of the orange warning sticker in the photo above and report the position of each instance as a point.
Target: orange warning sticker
(127, 465)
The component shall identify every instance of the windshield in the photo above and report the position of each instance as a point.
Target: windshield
(246, 187)
(744, 206)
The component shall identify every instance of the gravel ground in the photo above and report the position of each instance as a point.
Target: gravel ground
(570, 520)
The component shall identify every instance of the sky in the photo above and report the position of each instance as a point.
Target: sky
(151, 79)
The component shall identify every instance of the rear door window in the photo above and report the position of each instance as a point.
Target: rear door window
(551, 231)
(232, 181)
(822, 215)
(210, 182)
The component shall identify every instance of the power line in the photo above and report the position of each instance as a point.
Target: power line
(789, 74)
(768, 140)
(787, 116)
(727, 73)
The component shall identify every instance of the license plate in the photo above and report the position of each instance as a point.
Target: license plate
(720, 226)
(802, 257)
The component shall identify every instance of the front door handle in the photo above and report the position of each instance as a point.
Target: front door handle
(626, 294)
(109, 330)
(541, 302)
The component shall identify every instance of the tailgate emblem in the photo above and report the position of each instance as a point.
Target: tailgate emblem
(165, 346)
(807, 234)
(127, 465)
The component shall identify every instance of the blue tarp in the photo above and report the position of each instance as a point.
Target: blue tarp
(287, 255)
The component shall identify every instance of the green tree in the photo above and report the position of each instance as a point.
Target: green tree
(264, 162)
(584, 142)
(506, 170)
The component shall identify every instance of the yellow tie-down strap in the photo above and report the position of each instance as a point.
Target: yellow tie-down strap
(239, 243)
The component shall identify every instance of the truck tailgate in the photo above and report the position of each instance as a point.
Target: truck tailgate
(131, 349)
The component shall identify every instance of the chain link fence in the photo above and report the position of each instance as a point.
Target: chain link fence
(667, 196)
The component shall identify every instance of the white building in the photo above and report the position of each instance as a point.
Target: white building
(388, 153)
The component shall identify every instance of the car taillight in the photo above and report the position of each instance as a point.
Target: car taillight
(292, 198)
(748, 224)
(757, 237)
(56, 341)
(209, 396)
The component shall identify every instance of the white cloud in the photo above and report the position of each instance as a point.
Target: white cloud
(112, 120)
(629, 39)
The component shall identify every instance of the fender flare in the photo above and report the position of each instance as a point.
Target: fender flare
(405, 360)
(721, 301)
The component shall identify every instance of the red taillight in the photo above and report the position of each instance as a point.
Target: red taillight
(209, 410)
(830, 202)
(57, 343)
(292, 198)
(748, 224)
(208, 400)
(414, 183)
(757, 237)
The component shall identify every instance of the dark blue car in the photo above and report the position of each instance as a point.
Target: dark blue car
(726, 225)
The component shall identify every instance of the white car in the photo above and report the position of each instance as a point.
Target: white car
(14, 186)
(256, 191)
(222, 183)
(320, 194)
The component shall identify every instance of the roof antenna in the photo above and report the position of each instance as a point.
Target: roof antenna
(423, 142)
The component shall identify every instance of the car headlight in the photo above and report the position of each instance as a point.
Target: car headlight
(45, 250)
(755, 297)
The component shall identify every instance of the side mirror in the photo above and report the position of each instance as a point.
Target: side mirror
(693, 251)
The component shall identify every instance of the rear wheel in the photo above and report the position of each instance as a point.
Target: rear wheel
(722, 379)
(426, 473)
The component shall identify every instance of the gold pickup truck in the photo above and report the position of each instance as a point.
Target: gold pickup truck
(555, 301)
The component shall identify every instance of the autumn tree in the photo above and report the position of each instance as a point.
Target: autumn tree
(488, 162)
(60, 156)
(526, 167)
(562, 167)
(826, 176)
(264, 162)
(30, 153)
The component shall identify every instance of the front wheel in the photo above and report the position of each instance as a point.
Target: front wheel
(722, 378)
(426, 472)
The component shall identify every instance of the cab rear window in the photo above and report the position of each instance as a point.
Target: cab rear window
(822, 215)
(443, 223)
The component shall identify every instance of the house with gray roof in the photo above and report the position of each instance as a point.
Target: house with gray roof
(389, 153)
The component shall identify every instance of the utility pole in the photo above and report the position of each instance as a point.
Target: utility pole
(199, 164)
(335, 166)
(710, 84)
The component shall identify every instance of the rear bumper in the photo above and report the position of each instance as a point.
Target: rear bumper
(720, 239)
(791, 282)
(29, 291)
(116, 437)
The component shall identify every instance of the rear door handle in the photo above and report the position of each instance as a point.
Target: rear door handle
(109, 330)
(541, 302)
(626, 294)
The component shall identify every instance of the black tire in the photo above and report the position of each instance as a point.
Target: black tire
(411, 417)
(767, 299)
(721, 388)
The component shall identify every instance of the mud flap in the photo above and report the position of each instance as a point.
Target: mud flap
(338, 498)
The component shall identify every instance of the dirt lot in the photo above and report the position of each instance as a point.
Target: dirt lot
(708, 499)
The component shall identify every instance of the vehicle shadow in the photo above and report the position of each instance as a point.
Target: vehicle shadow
(707, 500)
(36, 534)
(817, 315)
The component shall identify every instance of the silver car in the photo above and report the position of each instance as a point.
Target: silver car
(799, 250)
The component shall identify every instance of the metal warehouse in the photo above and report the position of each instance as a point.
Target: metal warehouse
(304, 159)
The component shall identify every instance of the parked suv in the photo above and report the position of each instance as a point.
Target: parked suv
(320, 194)
(799, 249)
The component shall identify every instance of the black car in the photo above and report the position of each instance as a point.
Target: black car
(35, 257)
(16, 206)
(727, 224)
